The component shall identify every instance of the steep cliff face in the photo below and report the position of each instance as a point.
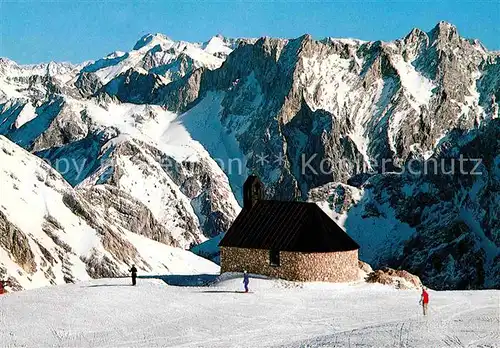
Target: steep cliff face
(351, 102)
(176, 127)
(441, 226)
(190, 197)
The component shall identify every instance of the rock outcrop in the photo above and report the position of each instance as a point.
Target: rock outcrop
(400, 279)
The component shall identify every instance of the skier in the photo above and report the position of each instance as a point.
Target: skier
(134, 274)
(424, 300)
(246, 280)
(3, 284)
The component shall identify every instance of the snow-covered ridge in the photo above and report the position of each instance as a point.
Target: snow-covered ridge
(157, 52)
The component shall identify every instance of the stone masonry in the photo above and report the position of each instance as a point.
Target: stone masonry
(334, 267)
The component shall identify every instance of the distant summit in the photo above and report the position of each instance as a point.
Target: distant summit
(151, 40)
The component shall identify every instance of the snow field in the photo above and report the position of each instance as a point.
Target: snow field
(110, 313)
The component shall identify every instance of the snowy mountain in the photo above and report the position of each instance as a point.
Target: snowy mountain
(177, 126)
(53, 233)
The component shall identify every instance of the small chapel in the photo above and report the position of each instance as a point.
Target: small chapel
(289, 240)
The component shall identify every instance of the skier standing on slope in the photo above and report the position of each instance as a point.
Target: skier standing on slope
(424, 300)
(134, 274)
(246, 280)
(3, 284)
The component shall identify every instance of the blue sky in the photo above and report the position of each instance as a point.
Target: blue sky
(32, 32)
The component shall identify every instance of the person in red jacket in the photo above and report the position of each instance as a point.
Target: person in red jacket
(3, 284)
(424, 300)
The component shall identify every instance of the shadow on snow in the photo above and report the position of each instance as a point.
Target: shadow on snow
(184, 280)
(100, 285)
(222, 292)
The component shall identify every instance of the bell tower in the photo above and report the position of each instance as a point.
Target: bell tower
(253, 191)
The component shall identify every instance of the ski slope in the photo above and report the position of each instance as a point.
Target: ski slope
(110, 313)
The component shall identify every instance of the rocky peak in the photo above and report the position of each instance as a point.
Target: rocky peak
(305, 37)
(414, 42)
(4, 62)
(443, 31)
(269, 43)
(151, 40)
(115, 54)
(415, 33)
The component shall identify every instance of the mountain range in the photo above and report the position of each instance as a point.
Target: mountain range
(141, 155)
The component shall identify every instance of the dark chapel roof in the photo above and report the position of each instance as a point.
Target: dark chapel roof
(287, 226)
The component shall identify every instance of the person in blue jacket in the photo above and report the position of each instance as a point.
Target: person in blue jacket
(246, 280)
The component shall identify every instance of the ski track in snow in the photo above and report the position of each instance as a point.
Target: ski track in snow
(110, 313)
